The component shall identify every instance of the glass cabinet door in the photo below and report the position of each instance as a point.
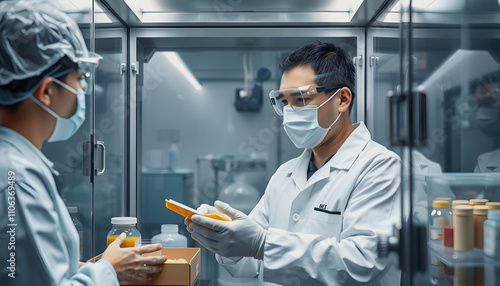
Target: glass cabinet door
(110, 154)
(441, 96)
(435, 70)
(454, 81)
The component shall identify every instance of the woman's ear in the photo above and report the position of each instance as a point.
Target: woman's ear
(45, 91)
(345, 97)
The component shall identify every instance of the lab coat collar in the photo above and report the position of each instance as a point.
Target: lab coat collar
(493, 161)
(342, 160)
(26, 147)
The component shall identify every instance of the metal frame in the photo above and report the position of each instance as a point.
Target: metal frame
(137, 33)
(370, 70)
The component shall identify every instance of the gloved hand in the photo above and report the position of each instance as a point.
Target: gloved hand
(205, 209)
(208, 209)
(239, 237)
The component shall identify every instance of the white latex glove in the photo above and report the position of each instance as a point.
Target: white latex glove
(239, 237)
(208, 209)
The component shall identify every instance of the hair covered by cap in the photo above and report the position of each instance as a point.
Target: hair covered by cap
(34, 38)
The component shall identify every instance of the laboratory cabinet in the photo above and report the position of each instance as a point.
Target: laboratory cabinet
(177, 85)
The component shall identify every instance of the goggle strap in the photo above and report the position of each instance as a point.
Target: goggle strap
(65, 85)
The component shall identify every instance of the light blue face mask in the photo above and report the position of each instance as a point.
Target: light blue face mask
(66, 127)
(488, 122)
(302, 126)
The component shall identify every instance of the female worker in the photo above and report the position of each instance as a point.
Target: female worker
(43, 60)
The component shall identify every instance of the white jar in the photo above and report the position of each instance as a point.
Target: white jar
(492, 234)
(170, 237)
(440, 216)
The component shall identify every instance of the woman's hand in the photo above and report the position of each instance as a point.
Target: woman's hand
(128, 262)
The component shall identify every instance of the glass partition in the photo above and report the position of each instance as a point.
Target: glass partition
(110, 188)
(205, 126)
(441, 94)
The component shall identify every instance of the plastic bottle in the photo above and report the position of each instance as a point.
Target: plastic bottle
(127, 225)
(492, 234)
(240, 195)
(173, 157)
(170, 237)
(73, 212)
(440, 216)
(479, 214)
(463, 228)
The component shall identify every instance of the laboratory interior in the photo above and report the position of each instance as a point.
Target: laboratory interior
(179, 109)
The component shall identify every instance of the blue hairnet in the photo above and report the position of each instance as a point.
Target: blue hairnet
(37, 41)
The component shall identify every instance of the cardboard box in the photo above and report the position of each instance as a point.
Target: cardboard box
(180, 274)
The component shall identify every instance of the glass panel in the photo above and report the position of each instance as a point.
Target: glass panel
(110, 122)
(198, 140)
(455, 72)
(69, 158)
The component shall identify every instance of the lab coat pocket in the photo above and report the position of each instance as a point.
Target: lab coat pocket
(326, 224)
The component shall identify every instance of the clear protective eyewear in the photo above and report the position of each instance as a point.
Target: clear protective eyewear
(88, 62)
(297, 97)
(83, 82)
(87, 65)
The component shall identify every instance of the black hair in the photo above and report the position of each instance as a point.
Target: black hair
(326, 59)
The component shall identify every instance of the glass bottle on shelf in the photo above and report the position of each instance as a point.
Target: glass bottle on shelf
(440, 216)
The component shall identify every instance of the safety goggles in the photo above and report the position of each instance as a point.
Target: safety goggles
(297, 96)
(88, 62)
(83, 82)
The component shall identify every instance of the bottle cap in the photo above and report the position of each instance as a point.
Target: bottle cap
(443, 199)
(493, 205)
(480, 210)
(440, 204)
(124, 220)
(459, 202)
(169, 228)
(462, 210)
(494, 214)
(474, 202)
(72, 210)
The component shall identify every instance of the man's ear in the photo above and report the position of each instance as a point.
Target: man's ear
(45, 91)
(345, 97)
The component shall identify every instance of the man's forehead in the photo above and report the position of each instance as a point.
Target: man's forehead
(298, 76)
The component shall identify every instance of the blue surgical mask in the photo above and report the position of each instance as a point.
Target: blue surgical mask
(488, 122)
(66, 127)
(302, 126)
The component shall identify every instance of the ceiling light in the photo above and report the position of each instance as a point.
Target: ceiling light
(174, 58)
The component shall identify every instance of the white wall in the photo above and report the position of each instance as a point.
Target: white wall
(207, 120)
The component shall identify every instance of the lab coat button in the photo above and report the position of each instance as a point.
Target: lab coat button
(295, 217)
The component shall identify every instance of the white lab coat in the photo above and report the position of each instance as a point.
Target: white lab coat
(309, 247)
(47, 247)
(488, 162)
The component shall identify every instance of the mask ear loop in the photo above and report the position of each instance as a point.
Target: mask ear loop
(329, 98)
(326, 102)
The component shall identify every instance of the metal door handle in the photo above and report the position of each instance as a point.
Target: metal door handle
(422, 119)
(396, 138)
(100, 144)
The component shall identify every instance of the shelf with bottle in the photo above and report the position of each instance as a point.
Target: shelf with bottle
(452, 258)
(458, 242)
